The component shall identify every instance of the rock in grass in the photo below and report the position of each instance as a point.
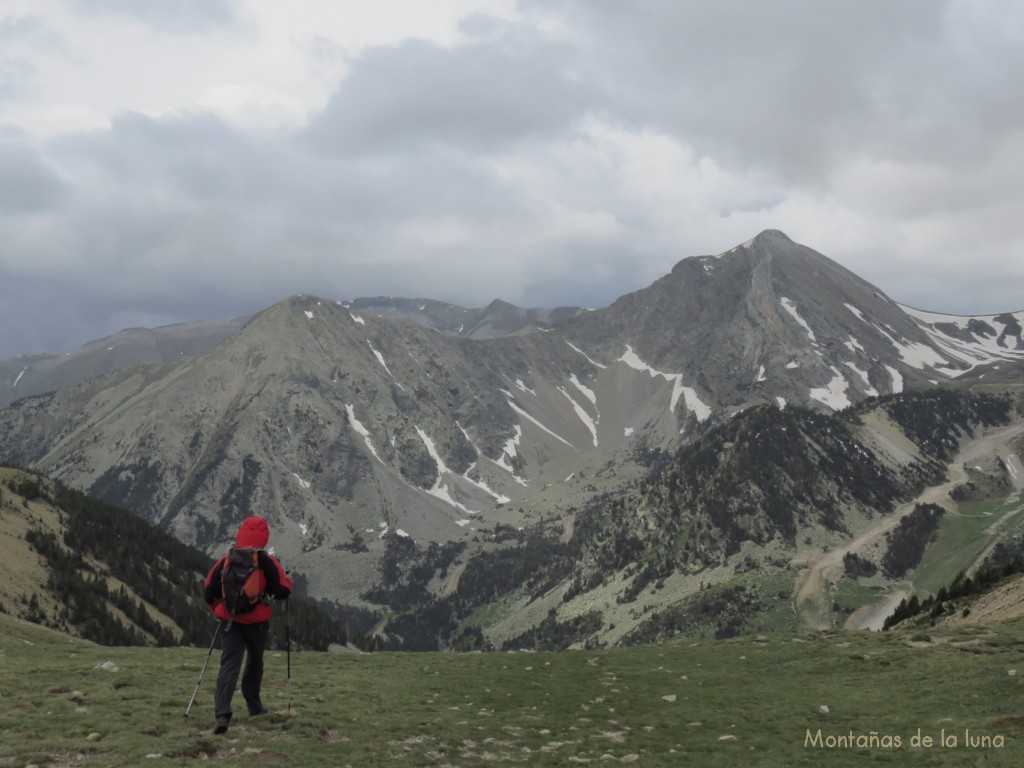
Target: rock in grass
(94, 736)
(727, 737)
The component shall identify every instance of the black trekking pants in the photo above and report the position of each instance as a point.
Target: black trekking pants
(237, 640)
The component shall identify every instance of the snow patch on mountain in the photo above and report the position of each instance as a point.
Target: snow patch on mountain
(833, 395)
(498, 497)
(509, 451)
(857, 313)
(442, 469)
(360, 429)
(440, 490)
(479, 483)
(522, 387)
(915, 354)
(897, 379)
(956, 343)
(588, 359)
(790, 307)
(585, 417)
(700, 409)
(380, 359)
(868, 389)
(588, 393)
(978, 340)
(468, 438)
(854, 346)
(531, 419)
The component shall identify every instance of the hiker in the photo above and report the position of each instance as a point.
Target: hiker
(248, 628)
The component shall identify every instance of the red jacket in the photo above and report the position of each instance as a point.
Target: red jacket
(254, 533)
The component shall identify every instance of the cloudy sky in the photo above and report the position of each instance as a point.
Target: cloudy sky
(171, 160)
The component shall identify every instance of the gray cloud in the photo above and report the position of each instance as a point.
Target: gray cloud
(797, 84)
(476, 98)
(27, 184)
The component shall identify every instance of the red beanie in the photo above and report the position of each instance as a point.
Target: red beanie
(254, 532)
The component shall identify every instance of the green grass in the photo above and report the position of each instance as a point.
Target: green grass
(538, 709)
(492, 613)
(851, 595)
(962, 537)
(775, 586)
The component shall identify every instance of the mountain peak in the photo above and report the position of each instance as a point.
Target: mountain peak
(772, 236)
(767, 238)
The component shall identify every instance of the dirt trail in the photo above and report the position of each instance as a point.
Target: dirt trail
(452, 582)
(811, 598)
(568, 528)
(873, 616)
(998, 525)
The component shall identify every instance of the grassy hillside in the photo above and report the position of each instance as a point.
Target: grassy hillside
(749, 702)
(102, 573)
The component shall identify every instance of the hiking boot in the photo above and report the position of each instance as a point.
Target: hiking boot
(221, 726)
(256, 708)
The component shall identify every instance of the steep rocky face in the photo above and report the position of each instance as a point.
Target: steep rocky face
(770, 321)
(340, 424)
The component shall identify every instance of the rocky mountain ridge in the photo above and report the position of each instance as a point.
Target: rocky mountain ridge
(35, 374)
(349, 427)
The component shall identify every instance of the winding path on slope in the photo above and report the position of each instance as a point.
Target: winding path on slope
(811, 598)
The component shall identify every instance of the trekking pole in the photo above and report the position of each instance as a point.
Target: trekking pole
(288, 646)
(208, 655)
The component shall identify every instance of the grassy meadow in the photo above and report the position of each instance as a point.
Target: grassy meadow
(964, 535)
(756, 701)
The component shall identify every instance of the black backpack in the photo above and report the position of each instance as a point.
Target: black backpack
(242, 581)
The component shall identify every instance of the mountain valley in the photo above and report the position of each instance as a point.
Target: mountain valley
(676, 462)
